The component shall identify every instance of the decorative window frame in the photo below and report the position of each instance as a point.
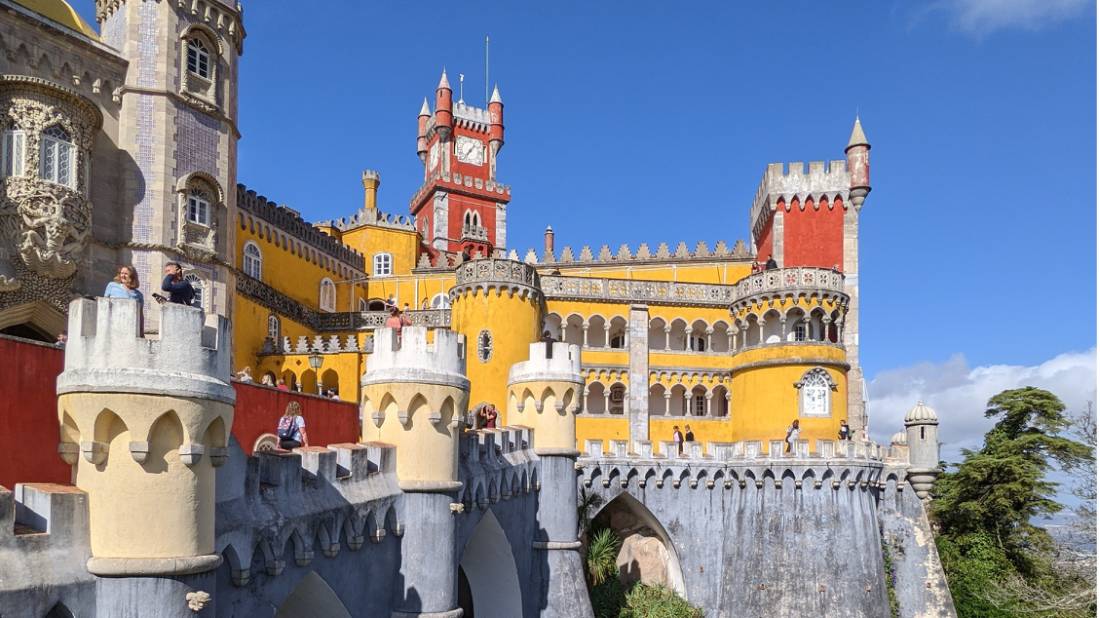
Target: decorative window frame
(192, 84)
(484, 346)
(64, 149)
(323, 292)
(275, 329)
(257, 260)
(203, 291)
(812, 375)
(193, 235)
(13, 153)
(382, 259)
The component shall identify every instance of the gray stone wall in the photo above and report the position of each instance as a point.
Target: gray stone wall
(796, 538)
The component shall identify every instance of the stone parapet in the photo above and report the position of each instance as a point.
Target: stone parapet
(481, 276)
(830, 179)
(496, 464)
(562, 363)
(107, 354)
(320, 499)
(405, 355)
(680, 252)
(791, 282)
(291, 222)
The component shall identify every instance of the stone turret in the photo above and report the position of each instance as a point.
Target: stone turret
(544, 393)
(145, 422)
(415, 395)
(922, 433)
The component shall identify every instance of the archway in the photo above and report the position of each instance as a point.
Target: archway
(490, 571)
(312, 597)
(646, 554)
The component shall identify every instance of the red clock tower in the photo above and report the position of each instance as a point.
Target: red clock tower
(461, 208)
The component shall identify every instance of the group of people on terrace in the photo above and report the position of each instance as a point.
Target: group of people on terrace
(126, 285)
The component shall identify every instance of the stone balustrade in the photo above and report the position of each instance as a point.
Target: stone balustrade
(790, 280)
(732, 451)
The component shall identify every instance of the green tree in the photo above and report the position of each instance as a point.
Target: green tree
(603, 549)
(1001, 488)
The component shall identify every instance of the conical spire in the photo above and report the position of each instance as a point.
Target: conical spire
(443, 83)
(857, 138)
(496, 95)
(424, 110)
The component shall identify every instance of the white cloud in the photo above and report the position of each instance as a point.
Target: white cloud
(982, 17)
(959, 393)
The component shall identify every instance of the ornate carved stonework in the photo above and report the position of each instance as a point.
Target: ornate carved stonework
(44, 226)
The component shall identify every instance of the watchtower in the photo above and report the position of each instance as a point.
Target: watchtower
(922, 433)
(415, 396)
(145, 422)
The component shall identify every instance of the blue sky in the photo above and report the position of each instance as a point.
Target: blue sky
(653, 121)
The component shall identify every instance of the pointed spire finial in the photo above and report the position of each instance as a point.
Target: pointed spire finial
(496, 95)
(424, 109)
(443, 83)
(857, 138)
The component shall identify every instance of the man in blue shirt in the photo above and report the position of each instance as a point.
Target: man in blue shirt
(179, 289)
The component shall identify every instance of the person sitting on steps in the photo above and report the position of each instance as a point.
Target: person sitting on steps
(292, 428)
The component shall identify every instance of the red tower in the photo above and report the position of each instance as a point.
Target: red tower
(461, 207)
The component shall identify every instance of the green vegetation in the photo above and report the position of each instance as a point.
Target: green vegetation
(611, 600)
(657, 602)
(891, 576)
(997, 561)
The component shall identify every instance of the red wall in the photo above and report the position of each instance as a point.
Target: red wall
(328, 421)
(814, 237)
(29, 427)
(28, 414)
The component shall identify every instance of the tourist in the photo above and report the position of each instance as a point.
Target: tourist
(397, 321)
(488, 416)
(678, 439)
(62, 339)
(549, 340)
(771, 265)
(179, 289)
(332, 394)
(125, 285)
(689, 435)
(266, 380)
(245, 375)
(292, 427)
(845, 431)
(792, 436)
(282, 385)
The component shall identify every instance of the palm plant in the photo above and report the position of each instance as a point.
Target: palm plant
(603, 549)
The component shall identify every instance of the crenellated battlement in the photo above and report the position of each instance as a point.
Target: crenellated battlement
(319, 499)
(563, 362)
(106, 352)
(496, 464)
(406, 355)
(787, 181)
(643, 254)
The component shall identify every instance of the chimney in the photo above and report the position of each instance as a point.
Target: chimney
(371, 180)
(548, 247)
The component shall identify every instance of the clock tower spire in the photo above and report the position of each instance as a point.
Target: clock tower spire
(461, 208)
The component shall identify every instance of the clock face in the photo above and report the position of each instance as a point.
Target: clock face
(470, 150)
(433, 158)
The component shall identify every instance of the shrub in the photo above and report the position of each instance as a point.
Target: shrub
(657, 602)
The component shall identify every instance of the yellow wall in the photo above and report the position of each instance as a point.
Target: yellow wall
(369, 240)
(514, 324)
(765, 401)
(697, 272)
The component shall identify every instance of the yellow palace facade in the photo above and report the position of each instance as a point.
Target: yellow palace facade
(736, 340)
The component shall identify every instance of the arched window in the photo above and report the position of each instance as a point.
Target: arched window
(13, 155)
(253, 260)
(198, 58)
(441, 301)
(328, 295)
(56, 159)
(376, 304)
(698, 404)
(815, 397)
(383, 265)
(198, 206)
(200, 290)
(274, 328)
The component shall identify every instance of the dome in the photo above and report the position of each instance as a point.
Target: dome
(60, 12)
(921, 414)
(900, 438)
